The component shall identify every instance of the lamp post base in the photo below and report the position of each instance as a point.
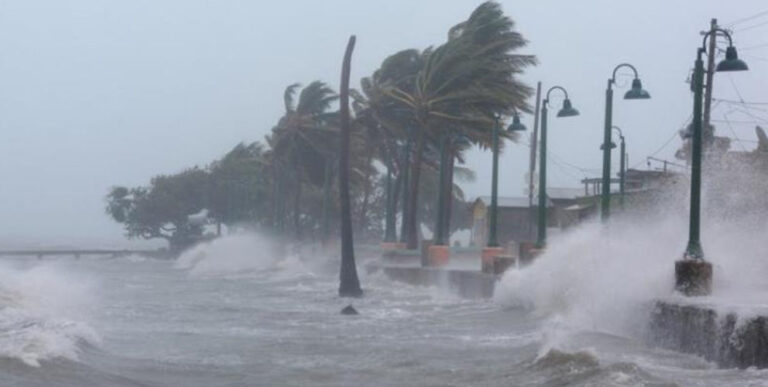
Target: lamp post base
(438, 255)
(486, 259)
(693, 277)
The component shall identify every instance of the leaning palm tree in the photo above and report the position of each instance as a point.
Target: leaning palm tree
(302, 139)
(465, 85)
(386, 123)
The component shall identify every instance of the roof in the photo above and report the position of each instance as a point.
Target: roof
(510, 202)
(564, 193)
(579, 207)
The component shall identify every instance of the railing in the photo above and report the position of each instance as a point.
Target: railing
(78, 253)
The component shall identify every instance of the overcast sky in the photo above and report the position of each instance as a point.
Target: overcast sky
(98, 93)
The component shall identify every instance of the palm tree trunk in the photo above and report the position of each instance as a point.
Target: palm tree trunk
(413, 194)
(439, 234)
(363, 222)
(349, 284)
(297, 208)
(389, 223)
(273, 213)
(406, 186)
(448, 191)
(325, 227)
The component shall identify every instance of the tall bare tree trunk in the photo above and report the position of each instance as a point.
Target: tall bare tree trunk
(349, 284)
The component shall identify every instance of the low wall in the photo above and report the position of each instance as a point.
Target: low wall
(728, 339)
(464, 283)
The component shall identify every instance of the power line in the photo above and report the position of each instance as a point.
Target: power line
(746, 19)
(739, 102)
(753, 47)
(561, 163)
(756, 57)
(745, 122)
(734, 132)
(738, 93)
(752, 27)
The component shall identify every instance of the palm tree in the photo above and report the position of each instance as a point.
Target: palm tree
(385, 123)
(464, 85)
(349, 284)
(302, 140)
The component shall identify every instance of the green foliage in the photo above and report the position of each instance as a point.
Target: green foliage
(239, 189)
(161, 210)
(459, 89)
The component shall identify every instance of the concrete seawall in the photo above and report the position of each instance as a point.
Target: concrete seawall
(464, 283)
(730, 339)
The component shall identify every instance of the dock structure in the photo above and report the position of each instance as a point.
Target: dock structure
(77, 253)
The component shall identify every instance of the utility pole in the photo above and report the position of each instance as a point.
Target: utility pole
(532, 167)
(709, 135)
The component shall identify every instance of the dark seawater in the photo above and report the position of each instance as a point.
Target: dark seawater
(230, 315)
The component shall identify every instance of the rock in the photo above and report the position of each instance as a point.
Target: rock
(349, 310)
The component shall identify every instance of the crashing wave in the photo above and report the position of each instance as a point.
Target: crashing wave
(37, 307)
(236, 254)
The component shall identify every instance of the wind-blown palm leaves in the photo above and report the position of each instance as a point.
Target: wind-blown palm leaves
(464, 86)
(455, 92)
(303, 140)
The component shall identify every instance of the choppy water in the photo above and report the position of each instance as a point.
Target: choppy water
(231, 315)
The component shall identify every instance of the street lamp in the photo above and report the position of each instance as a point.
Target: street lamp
(566, 111)
(693, 275)
(622, 166)
(492, 248)
(635, 92)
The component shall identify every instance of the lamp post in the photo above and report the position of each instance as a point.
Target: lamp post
(566, 111)
(492, 248)
(622, 166)
(693, 275)
(635, 92)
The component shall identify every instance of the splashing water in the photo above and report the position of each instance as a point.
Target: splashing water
(41, 310)
(239, 254)
(606, 277)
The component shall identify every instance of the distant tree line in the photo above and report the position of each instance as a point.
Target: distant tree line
(413, 119)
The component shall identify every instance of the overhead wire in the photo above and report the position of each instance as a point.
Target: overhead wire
(746, 19)
(734, 132)
(752, 27)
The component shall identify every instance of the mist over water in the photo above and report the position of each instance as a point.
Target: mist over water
(247, 309)
(230, 312)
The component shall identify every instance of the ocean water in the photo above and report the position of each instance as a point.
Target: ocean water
(237, 313)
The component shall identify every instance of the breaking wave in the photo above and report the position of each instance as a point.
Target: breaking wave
(40, 312)
(239, 254)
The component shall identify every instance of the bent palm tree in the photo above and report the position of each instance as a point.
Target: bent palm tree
(302, 139)
(464, 85)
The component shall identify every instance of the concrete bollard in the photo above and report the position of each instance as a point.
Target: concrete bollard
(425, 244)
(486, 259)
(503, 262)
(528, 252)
(390, 246)
(693, 277)
(438, 255)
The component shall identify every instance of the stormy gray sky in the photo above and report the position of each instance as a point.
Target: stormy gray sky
(98, 93)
